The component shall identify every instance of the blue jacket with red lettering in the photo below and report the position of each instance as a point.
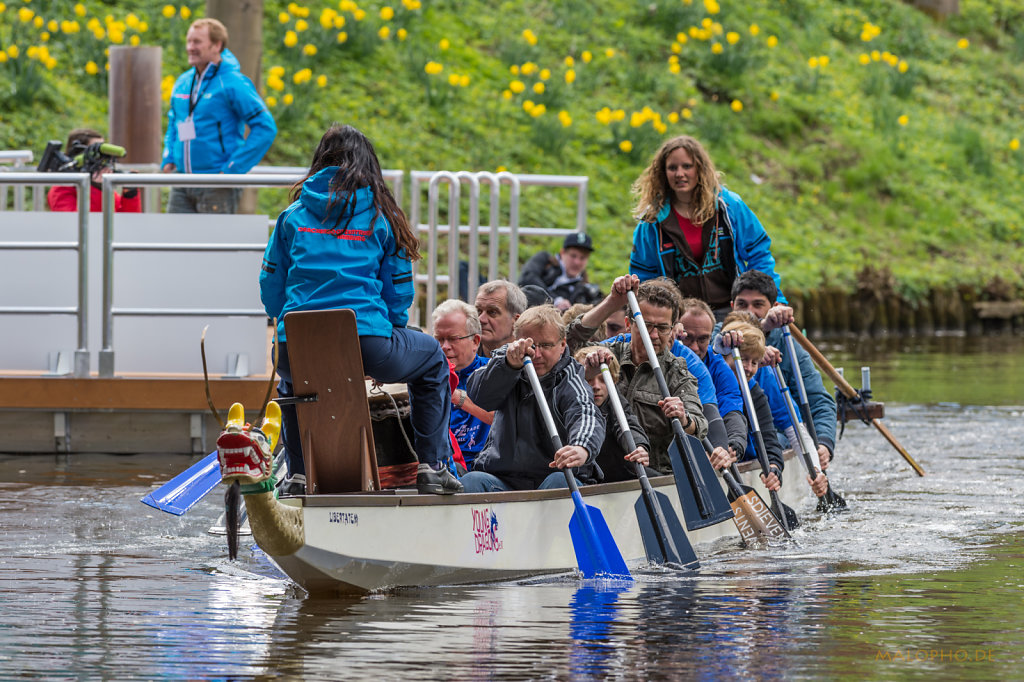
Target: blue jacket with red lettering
(315, 262)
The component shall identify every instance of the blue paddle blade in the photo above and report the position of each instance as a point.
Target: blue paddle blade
(665, 529)
(183, 491)
(596, 551)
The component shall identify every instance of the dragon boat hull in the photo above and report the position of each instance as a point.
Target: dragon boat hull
(370, 542)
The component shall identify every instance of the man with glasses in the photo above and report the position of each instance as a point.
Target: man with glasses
(518, 454)
(457, 329)
(637, 381)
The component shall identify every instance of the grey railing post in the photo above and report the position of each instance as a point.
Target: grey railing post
(453, 232)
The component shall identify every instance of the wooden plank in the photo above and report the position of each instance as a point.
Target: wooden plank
(128, 393)
(337, 437)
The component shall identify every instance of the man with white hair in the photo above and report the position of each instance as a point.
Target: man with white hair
(457, 329)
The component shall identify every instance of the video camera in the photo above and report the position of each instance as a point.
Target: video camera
(82, 158)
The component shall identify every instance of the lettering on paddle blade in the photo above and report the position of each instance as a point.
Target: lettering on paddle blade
(764, 513)
(485, 531)
(748, 534)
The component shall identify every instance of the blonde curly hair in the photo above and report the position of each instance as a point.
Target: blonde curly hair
(652, 190)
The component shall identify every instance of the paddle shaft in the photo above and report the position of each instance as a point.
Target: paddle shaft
(805, 405)
(658, 520)
(849, 392)
(689, 456)
(791, 409)
(731, 481)
(759, 449)
(556, 441)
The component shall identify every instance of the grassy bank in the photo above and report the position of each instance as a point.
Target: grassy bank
(876, 145)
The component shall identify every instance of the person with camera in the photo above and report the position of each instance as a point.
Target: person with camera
(211, 104)
(86, 144)
(563, 277)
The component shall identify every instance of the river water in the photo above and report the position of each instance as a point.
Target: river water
(923, 578)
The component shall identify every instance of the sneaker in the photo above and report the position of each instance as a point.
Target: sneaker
(430, 481)
(292, 486)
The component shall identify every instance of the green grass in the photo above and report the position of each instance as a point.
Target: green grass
(820, 154)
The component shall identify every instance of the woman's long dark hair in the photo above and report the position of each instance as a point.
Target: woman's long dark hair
(358, 167)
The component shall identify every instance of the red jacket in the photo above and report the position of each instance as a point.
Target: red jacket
(65, 198)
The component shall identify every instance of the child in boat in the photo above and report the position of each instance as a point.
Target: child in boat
(518, 453)
(345, 243)
(614, 460)
(750, 341)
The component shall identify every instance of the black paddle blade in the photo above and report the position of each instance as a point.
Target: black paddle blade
(831, 502)
(232, 497)
(716, 507)
(792, 522)
(664, 528)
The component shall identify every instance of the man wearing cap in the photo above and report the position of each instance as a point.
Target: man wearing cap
(564, 277)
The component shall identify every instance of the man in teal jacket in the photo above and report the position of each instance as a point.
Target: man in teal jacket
(211, 104)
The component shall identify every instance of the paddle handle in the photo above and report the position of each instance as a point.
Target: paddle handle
(549, 421)
(791, 409)
(730, 481)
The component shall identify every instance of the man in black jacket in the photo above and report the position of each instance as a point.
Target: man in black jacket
(564, 277)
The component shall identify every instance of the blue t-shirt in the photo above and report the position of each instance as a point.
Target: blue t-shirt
(470, 432)
(705, 386)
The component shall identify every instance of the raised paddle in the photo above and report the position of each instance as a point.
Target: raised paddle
(664, 539)
(849, 392)
(183, 491)
(784, 513)
(703, 504)
(754, 519)
(830, 500)
(596, 551)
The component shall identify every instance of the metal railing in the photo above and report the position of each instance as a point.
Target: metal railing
(110, 183)
(82, 182)
(18, 159)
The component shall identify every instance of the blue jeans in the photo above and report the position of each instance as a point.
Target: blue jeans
(408, 357)
(203, 200)
(483, 482)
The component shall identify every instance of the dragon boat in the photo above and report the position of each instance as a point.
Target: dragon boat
(352, 534)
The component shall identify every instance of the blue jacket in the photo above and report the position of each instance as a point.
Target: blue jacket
(751, 244)
(728, 391)
(765, 378)
(227, 102)
(310, 264)
(821, 402)
(470, 432)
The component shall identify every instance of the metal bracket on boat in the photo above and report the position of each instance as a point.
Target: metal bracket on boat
(296, 399)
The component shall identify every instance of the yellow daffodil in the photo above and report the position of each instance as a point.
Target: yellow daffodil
(453, 79)
(732, 37)
(963, 43)
(823, 60)
(619, 115)
(586, 56)
(91, 68)
(282, 17)
(277, 71)
(338, 21)
(903, 67)
(506, 94)
(771, 41)
(384, 32)
(604, 116)
(402, 34)
(736, 105)
(529, 36)
(609, 53)
(321, 81)
(528, 105)
(185, 12)
(676, 47)
(712, 6)
(444, 44)
(754, 29)
(569, 62)
(271, 101)
(517, 86)
(79, 9)
(716, 48)
(626, 146)
(291, 39)
(538, 88)
(433, 68)
(168, 11)
(134, 40)
(544, 74)
(864, 59)
(301, 25)
(774, 96)
(528, 69)
(514, 69)
(673, 117)
(570, 76)
(1014, 144)
(387, 14)
(564, 118)
(342, 36)
(463, 80)
(876, 55)
(288, 99)
(25, 15)
(674, 67)
(903, 120)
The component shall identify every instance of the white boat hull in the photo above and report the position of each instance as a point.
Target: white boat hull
(378, 541)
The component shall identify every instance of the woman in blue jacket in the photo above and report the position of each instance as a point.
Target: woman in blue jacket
(692, 229)
(345, 243)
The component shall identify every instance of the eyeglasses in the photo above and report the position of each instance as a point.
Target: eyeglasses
(442, 340)
(661, 328)
(546, 346)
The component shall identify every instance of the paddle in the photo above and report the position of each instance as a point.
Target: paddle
(754, 519)
(183, 491)
(849, 392)
(664, 538)
(596, 551)
(830, 500)
(784, 513)
(703, 505)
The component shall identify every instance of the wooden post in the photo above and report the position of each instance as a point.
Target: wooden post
(244, 21)
(136, 120)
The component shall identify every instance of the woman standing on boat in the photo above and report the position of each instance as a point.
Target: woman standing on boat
(345, 243)
(692, 229)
